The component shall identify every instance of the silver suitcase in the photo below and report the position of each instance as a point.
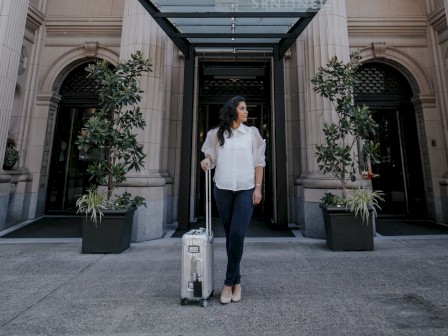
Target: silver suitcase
(197, 257)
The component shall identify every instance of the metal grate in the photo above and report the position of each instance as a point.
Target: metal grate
(381, 79)
(77, 82)
(244, 87)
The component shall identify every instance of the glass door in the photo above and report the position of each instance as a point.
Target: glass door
(399, 173)
(68, 177)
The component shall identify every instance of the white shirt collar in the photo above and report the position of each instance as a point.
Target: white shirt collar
(242, 128)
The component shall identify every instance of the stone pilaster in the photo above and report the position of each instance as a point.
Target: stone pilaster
(433, 153)
(39, 153)
(436, 128)
(141, 32)
(5, 186)
(446, 9)
(19, 197)
(444, 181)
(325, 37)
(12, 20)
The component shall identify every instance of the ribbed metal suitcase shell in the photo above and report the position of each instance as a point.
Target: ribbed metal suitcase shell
(197, 258)
(197, 265)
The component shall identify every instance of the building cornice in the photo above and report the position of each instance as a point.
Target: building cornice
(405, 26)
(57, 26)
(437, 19)
(34, 18)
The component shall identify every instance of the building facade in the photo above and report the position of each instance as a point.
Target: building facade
(46, 44)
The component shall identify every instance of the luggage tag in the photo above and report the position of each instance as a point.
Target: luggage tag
(197, 288)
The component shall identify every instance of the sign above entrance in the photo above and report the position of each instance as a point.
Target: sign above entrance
(233, 26)
(238, 5)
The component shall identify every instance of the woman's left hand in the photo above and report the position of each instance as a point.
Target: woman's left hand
(256, 196)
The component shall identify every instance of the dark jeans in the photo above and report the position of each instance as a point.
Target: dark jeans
(235, 210)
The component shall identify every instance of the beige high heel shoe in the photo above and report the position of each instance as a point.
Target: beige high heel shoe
(236, 293)
(226, 295)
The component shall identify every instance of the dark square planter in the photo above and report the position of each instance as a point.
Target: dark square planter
(112, 235)
(346, 232)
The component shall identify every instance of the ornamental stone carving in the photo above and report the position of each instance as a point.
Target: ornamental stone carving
(379, 49)
(23, 60)
(90, 49)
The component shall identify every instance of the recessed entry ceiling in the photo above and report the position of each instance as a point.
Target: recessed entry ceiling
(262, 25)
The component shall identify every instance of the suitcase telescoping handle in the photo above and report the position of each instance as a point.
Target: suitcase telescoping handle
(208, 203)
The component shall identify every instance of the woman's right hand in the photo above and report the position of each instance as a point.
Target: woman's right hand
(205, 164)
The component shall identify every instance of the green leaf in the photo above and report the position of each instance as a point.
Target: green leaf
(110, 129)
(338, 152)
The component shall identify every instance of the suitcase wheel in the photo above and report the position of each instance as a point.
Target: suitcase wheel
(183, 302)
(204, 303)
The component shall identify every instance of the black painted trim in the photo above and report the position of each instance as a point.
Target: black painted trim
(280, 140)
(296, 30)
(183, 216)
(230, 35)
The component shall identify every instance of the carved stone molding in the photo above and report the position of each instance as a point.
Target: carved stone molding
(90, 49)
(446, 59)
(51, 99)
(379, 49)
(34, 19)
(437, 19)
(424, 101)
(398, 26)
(23, 60)
(68, 61)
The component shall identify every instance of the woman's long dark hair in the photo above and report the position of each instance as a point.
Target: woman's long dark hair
(227, 115)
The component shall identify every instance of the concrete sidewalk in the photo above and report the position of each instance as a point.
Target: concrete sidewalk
(292, 286)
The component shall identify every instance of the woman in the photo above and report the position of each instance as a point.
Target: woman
(237, 153)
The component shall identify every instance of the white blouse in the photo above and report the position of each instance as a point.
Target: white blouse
(235, 162)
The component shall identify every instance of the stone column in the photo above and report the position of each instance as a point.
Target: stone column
(141, 32)
(444, 181)
(325, 37)
(446, 9)
(12, 20)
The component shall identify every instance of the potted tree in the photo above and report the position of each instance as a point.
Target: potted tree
(109, 133)
(346, 150)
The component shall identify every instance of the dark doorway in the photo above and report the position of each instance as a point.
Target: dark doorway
(219, 81)
(68, 177)
(399, 173)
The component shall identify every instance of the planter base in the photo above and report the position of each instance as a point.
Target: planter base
(346, 232)
(112, 235)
